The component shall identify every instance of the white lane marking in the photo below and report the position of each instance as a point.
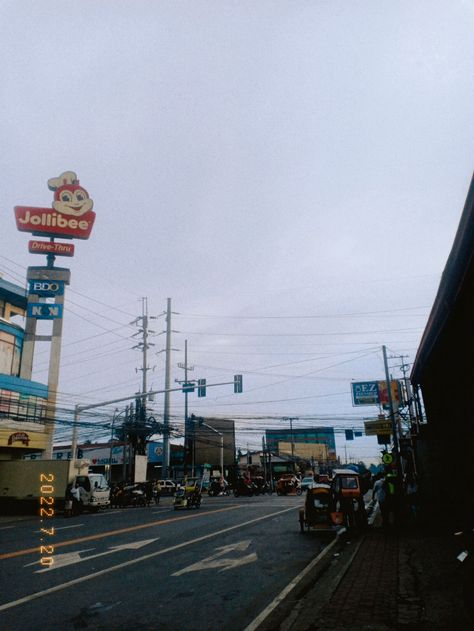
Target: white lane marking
(119, 566)
(6, 527)
(62, 527)
(70, 558)
(216, 560)
(291, 585)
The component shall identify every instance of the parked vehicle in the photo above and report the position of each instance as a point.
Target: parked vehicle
(316, 510)
(288, 484)
(167, 487)
(97, 490)
(347, 500)
(307, 482)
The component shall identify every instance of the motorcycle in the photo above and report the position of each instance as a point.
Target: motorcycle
(218, 488)
(244, 487)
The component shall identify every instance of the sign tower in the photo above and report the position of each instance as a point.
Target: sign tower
(71, 217)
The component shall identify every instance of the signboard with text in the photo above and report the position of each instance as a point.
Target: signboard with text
(44, 311)
(51, 247)
(365, 393)
(71, 215)
(373, 428)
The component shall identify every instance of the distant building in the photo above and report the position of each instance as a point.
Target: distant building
(302, 436)
(207, 442)
(317, 452)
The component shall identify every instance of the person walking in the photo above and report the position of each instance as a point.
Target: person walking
(379, 493)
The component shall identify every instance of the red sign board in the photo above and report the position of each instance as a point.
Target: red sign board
(71, 215)
(48, 222)
(51, 247)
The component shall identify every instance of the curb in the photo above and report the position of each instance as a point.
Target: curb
(317, 565)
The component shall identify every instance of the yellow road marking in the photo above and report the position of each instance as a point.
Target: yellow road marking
(17, 553)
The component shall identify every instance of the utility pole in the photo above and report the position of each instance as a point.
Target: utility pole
(291, 419)
(187, 429)
(392, 415)
(144, 345)
(166, 412)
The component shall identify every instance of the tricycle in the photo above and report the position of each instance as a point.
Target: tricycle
(187, 497)
(315, 512)
(288, 484)
(347, 506)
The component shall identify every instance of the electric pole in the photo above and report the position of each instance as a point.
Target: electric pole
(189, 442)
(291, 419)
(392, 415)
(144, 345)
(166, 412)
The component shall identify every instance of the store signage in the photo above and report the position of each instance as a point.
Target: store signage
(71, 215)
(46, 288)
(49, 273)
(20, 437)
(51, 247)
(372, 428)
(365, 393)
(43, 311)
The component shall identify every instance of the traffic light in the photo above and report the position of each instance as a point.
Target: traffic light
(237, 383)
(201, 387)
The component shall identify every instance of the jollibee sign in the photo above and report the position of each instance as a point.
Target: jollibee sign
(71, 215)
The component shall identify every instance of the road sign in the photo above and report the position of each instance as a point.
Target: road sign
(365, 393)
(373, 428)
(387, 458)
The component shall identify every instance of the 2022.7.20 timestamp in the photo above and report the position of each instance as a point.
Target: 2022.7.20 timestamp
(46, 512)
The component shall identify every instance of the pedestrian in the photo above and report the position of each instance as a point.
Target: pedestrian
(411, 494)
(379, 493)
(76, 501)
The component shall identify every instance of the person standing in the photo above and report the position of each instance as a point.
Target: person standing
(379, 493)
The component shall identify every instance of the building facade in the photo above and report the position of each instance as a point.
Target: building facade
(300, 437)
(22, 402)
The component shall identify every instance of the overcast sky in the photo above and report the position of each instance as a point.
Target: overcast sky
(290, 173)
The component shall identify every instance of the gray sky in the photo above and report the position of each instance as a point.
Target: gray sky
(290, 173)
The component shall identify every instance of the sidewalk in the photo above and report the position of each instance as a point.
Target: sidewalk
(406, 580)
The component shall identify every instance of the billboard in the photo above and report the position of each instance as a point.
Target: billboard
(71, 215)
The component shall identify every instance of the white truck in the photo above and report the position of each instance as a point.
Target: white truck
(24, 482)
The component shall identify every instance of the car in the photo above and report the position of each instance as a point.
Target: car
(307, 483)
(167, 487)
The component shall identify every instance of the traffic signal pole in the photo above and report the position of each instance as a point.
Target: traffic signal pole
(82, 408)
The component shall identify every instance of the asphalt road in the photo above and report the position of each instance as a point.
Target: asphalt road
(154, 568)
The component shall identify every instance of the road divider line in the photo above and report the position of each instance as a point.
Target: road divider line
(102, 535)
(119, 566)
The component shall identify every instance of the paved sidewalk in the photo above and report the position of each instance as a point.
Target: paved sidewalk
(388, 581)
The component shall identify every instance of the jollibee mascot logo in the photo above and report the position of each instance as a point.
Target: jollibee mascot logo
(69, 197)
(71, 215)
